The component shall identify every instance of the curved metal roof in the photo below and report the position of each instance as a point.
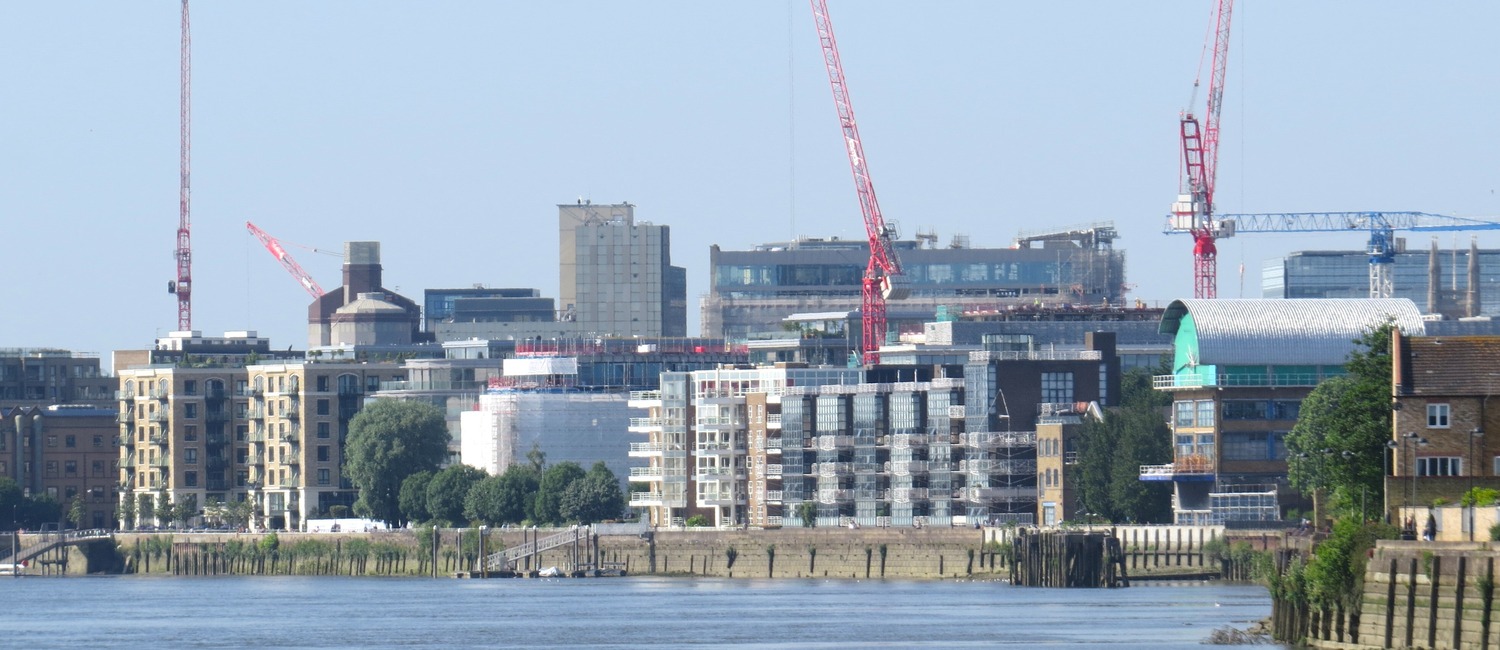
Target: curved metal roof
(1286, 332)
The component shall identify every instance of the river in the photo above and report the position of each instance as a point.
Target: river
(332, 612)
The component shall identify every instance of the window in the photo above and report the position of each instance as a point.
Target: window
(70, 468)
(323, 477)
(1206, 444)
(190, 456)
(190, 433)
(1205, 413)
(1184, 412)
(323, 404)
(1286, 409)
(98, 441)
(97, 469)
(322, 384)
(71, 442)
(322, 429)
(1184, 445)
(190, 479)
(323, 455)
(372, 383)
(1057, 387)
(190, 411)
(1245, 409)
(1437, 416)
(51, 441)
(190, 387)
(1440, 465)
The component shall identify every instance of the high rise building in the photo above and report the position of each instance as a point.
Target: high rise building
(753, 291)
(1456, 282)
(46, 376)
(616, 274)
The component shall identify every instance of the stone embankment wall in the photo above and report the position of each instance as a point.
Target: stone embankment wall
(833, 553)
(1416, 595)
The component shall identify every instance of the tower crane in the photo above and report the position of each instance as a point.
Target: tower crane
(1194, 209)
(291, 265)
(883, 279)
(1382, 227)
(183, 285)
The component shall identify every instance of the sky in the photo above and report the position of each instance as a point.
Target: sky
(449, 131)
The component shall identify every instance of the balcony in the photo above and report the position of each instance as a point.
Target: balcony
(215, 393)
(125, 417)
(124, 396)
(293, 413)
(645, 449)
(1185, 468)
(773, 421)
(719, 499)
(831, 469)
(217, 438)
(256, 412)
(644, 398)
(719, 422)
(908, 495)
(257, 436)
(215, 416)
(713, 473)
(908, 467)
(650, 473)
(255, 459)
(127, 463)
(1182, 382)
(159, 439)
(645, 425)
(718, 449)
(773, 471)
(157, 416)
(831, 496)
(158, 393)
(124, 440)
(645, 499)
(909, 441)
(830, 443)
(160, 462)
(294, 436)
(773, 521)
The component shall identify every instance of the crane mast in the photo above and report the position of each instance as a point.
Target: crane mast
(291, 265)
(883, 278)
(1200, 157)
(183, 285)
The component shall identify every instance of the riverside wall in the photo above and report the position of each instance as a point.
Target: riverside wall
(1416, 595)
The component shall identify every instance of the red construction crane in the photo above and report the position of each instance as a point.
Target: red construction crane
(183, 285)
(1194, 209)
(883, 279)
(286, 260)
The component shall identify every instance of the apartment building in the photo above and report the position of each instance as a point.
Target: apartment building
(45, 376)
(270, 433)
(1241, 369)
(65, 452)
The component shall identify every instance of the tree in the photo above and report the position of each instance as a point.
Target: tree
(127, 512)
(448, 489)
(595, 497)
(78, 511)
(412, 499)
(1339, 440)
(163, 509)
(388, 441)
(11, 498)
(504, 499)
(1111, 452)
(557, 478)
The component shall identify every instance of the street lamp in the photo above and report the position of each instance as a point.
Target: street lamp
(1415, 442)
(1475, 434)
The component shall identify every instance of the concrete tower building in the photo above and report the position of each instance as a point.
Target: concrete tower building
(362, 312)
(616, 274)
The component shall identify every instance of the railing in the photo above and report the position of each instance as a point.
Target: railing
(124, 396)
(718, 448)
(157, 416)
(1167, 382)
(645, 472)
(125, 417)
(835, 496)
(639, 499)
(908, 440)
(157, 392)
(773, 444)
(774, 521)
(719, 421)
(773, 495)
(645, 447)
(158, 462)
(215, 415)
(773, 420)
(1037, 355)
(832, 469)
(907, 467)
(645, 395)
(255, 459)
(257, 436)
(829, 443)
(908, 495)
(773, 470)
(648, 423)
(158, 439)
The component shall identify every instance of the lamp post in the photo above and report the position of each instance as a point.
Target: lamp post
(1415, 442)
(1390, 470)
(1475, 434)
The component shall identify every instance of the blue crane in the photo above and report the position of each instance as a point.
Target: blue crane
(1381, 226)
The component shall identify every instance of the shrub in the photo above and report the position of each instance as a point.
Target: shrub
(696, 521)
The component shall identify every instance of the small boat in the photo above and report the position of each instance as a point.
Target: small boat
(549, 572)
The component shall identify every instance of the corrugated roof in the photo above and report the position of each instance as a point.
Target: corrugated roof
(1286, 332)
(1451, 365)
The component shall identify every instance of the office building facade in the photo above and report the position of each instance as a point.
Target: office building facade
(615, 273)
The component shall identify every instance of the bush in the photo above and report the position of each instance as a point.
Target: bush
(697, 521)
(1495, 533)
(1479, 496)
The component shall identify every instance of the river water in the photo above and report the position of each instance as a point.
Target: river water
(331, 612)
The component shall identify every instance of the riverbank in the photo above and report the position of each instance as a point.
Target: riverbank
(928, 553)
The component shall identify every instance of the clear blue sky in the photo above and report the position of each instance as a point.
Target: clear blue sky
(449, 130)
